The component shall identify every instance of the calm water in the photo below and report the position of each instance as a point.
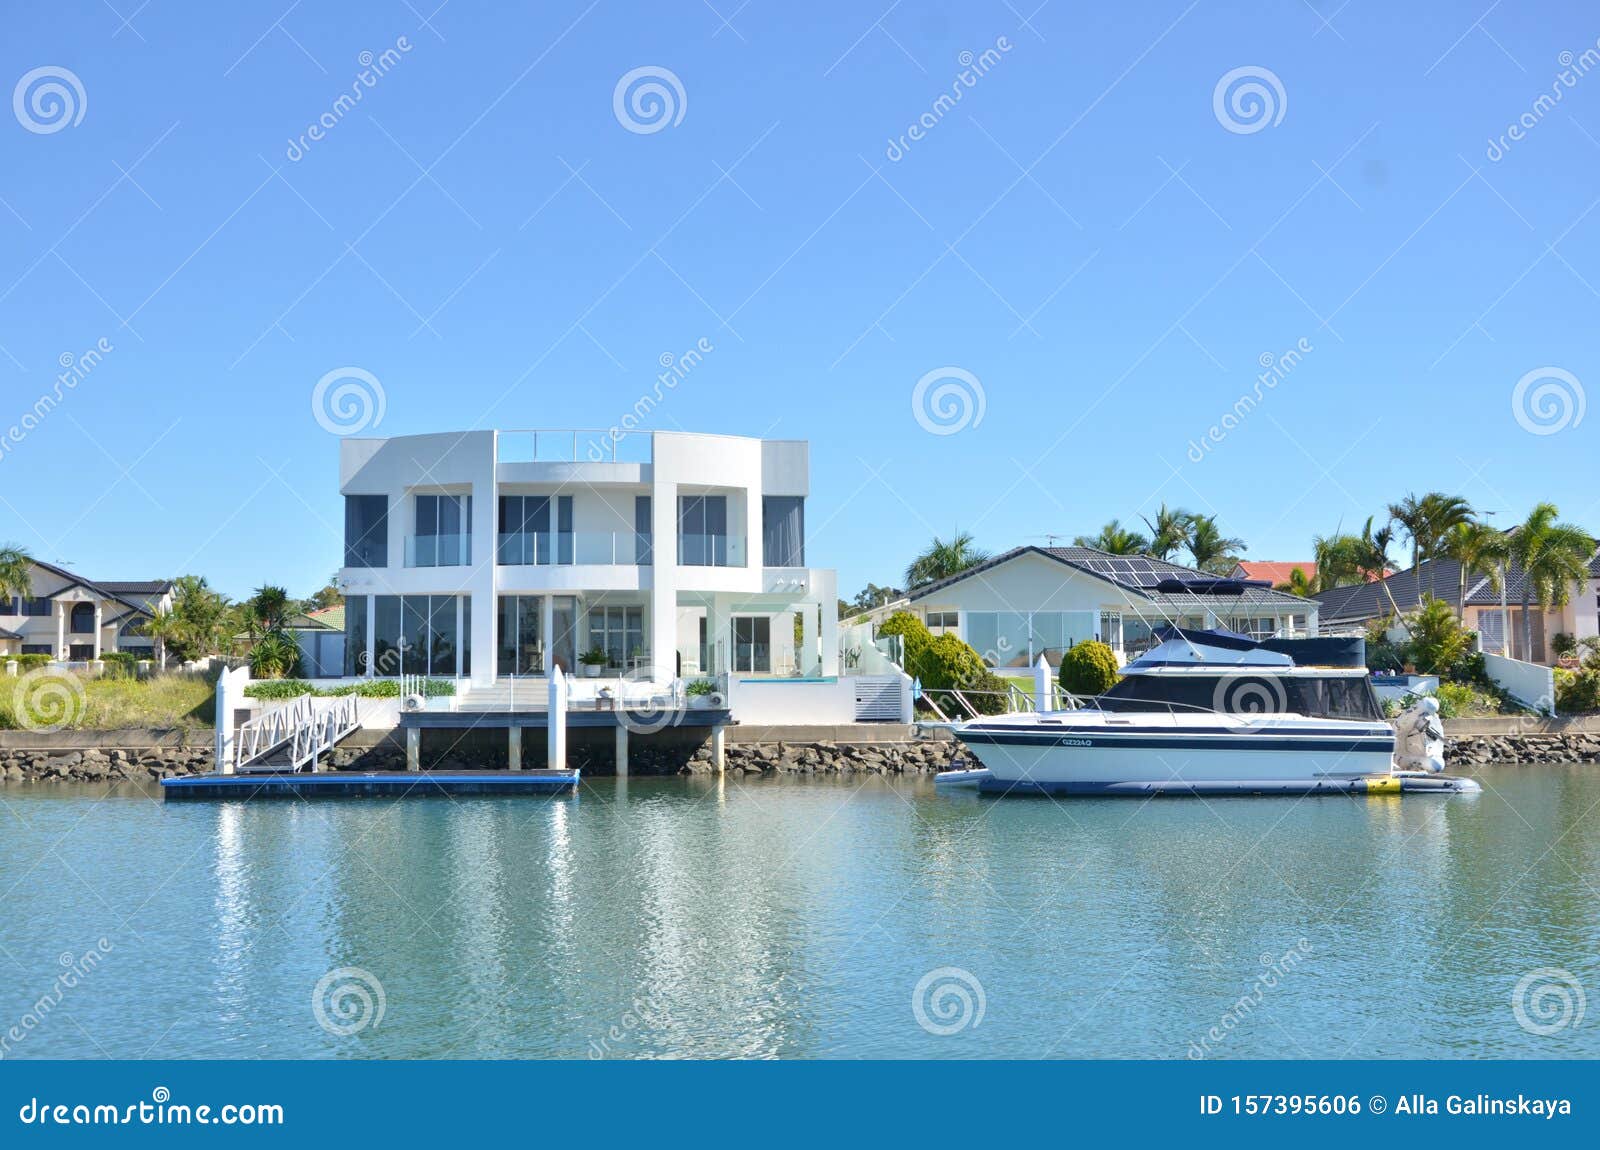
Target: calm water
(781, 918)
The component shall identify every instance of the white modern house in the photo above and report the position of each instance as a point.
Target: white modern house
(1033, 601)
(496, 556)
(72, 619)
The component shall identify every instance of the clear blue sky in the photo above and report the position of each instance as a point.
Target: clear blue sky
(1081, 233)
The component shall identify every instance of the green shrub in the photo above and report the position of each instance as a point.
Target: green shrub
(26, 663)
(1385, 656)
(1577, 692)
(279, 689)
(915, 636)
(1438, 642)
(699, 687)
(1088, 668)
(1455, 699)
(275, 656)
(1563, 644)
(120, 664)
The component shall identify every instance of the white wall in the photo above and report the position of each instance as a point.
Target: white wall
(1528, 683)
(778, 702)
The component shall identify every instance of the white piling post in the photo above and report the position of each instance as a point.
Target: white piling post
(556, 733)
(514, 747)
(1041, 685)
(622, 750)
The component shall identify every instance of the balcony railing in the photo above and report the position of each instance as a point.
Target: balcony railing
(711, 551)
(438, 550)
(581, 445)
(551, 548)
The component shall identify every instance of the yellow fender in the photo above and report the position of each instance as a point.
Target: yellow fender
(1383, 785)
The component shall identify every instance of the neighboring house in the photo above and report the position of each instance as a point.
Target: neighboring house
(1041, 600)
(497, 554)
(1352, 607)
(73, 619)
(1270, 572)
(1275, 572)
(320, 636)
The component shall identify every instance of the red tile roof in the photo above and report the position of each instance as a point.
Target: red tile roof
(1272, 572)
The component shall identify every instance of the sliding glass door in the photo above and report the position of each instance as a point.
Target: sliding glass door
(521, 650)
(752, 644)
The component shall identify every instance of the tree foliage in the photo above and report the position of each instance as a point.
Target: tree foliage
(1088, 668)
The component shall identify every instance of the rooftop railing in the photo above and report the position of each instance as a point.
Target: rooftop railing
(574, 445)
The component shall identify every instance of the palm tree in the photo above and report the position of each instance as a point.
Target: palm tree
(1426, 521)
(1298, 583)
(16, 572)
(1372, 557)
(1479, 550)
(1210, 548)
(1169, 531)
(1114, 539)
(268, 609)
(942, 559)
(1338, 558)
(1553, 556)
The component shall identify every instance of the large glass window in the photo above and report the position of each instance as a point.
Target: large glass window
(619, 632)
(355, 635)
(752, 644)
(521, 649)
(419, 635)
(82, 619)
(564, 633)
(643, 530)
(527, 535)
(1001, 637)
(443, 531)
(703, 530)
(783, 530)
(366, 531)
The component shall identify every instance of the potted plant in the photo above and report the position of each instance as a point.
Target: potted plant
(698, 692)
(592, 659)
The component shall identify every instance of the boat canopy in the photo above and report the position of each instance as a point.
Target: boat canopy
(1190, 653)
(1308, 652)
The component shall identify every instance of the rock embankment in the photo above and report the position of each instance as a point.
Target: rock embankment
(1480, 750)
(832, 758)
(103, 766)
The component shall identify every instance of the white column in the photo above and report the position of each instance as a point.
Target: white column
(547, 632)
(61, 629)
(1041, 685)
(556, 732)
(514, 747)
(622, 750)
(825, 589)
(413, 748)
(719, 748)
(810, 653)
(99, 623)
(664, 580)
(372, 623)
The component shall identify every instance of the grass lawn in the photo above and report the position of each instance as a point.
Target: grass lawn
(106, 704)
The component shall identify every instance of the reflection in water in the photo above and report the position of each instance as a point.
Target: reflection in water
(720, 917)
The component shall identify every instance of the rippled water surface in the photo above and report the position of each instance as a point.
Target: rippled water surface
(797, 919)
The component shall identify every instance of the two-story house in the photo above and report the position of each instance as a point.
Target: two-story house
(490, 555)
(72, 619)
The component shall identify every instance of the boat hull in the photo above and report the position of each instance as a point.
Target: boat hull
(1241, 758)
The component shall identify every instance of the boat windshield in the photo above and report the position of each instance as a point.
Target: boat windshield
(1318, 697)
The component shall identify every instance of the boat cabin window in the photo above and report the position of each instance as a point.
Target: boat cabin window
(1320, 697)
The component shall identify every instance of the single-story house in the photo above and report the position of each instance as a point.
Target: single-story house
(73, 619)
(320, 636)
(1357, 606)
(1033, 601)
